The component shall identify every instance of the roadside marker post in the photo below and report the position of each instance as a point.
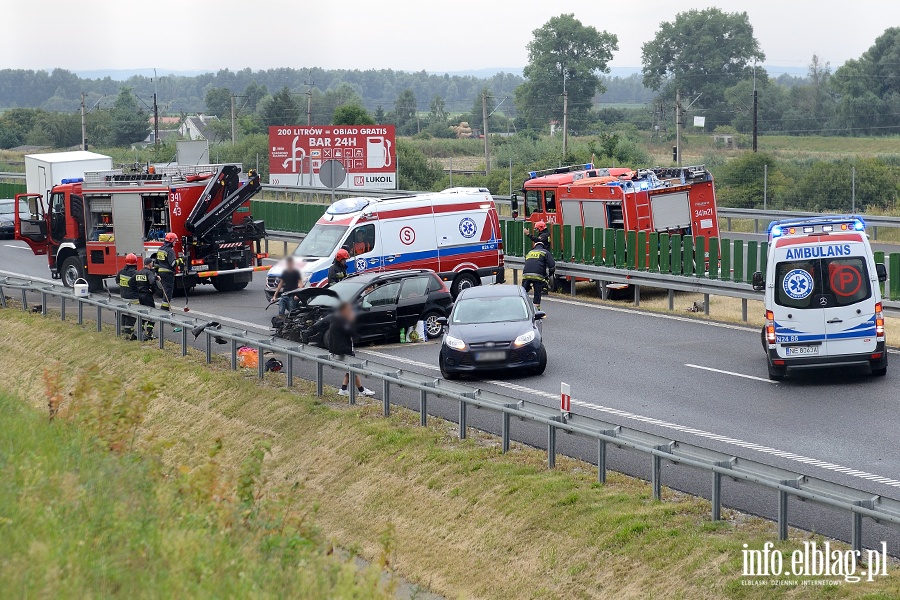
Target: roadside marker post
(565, 398)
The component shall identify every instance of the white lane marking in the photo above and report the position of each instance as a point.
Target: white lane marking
(730, 373)
(652, 314)
(17, 247)
(676, 427)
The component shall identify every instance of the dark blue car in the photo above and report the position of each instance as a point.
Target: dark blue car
(8, 216)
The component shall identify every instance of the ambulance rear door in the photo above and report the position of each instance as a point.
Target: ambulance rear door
(850, 288)
(797, 307)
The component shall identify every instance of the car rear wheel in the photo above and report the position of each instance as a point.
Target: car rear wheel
(448, 375)
(432, 328)
(776, 373)
(227, 283)
(462, 282)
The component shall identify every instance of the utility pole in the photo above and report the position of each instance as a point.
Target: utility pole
(755, 119)
(232, 119)
(309, 86)
(565, 123)
(487, 140)
(83, 125)
(678, 127)
(155, 120)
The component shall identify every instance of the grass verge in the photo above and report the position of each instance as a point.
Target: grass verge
(455, 516)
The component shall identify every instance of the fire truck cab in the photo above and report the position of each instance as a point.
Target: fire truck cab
(87, 225)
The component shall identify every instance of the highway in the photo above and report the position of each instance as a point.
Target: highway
(690, 380)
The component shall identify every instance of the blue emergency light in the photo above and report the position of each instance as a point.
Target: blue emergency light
(588, 166)
(532, 174)
(808, 226)
(72, 180)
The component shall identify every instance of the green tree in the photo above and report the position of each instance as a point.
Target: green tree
(437, 111)
(405, 109)
(280, 109)
(254, 93)
(128, 122)
(416, 172)
(870, 87)
(702, 53)
(218, 102)
(352, 114)
(563, 53)
(476, 119)
(379, 114)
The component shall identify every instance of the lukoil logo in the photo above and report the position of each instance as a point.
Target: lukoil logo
(812, 560)
(359, 180)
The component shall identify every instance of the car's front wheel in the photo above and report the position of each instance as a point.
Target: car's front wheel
(448, 375)
(542, 363)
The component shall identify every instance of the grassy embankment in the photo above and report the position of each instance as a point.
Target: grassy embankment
(455, 516)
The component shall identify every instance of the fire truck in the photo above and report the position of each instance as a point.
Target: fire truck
(678, 200)
(87, 225)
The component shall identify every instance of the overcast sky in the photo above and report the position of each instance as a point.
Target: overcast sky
(399, 34)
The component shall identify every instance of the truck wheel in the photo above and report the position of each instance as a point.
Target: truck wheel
(559, 284)
(72, 270)
(462, 282)
(226, 283)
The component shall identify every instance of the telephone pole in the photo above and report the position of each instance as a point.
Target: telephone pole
(155, 120)
(565, 123)
(755, 119)
(487, 141)
(83, 125)
(233, 119)
(678, 118)
(309, 86)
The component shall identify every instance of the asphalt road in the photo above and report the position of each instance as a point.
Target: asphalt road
(693, 381)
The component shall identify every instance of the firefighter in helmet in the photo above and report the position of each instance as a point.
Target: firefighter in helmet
(145, 283)
(539, 267)
(124, 278)
(338, 270)
(541, 234)
(167, 261)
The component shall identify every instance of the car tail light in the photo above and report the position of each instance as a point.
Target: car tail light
(198, 261)
(262, 255)
(879, 321)
(770, 327)
(444, 287)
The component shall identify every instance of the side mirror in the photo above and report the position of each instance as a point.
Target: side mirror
(442, 321)
(539, 315)
(881, 271)
(514, 205)
(759, 281)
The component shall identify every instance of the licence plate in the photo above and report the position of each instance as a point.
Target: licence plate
(489, 356)
(801, 350)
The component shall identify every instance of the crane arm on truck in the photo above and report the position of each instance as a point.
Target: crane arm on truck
(227, 186)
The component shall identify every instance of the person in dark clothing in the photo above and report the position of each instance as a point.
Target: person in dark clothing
(541, 234)
(167, 261)
(289, 282)
(145, 283)
(338, 270)
(339, 329)
(124, 278)
(539, 266)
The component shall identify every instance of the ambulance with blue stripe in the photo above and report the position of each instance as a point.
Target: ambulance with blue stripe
(455, 233)
(822, 296)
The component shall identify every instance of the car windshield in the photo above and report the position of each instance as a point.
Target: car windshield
(473, 311)
(821, 283)
(345, 289)
(7, 208)
(320, 241)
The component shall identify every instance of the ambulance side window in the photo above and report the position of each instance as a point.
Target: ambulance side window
(549, 201)
(361, 240)
(532, 201)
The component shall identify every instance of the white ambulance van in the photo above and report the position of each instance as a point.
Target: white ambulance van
(823, 299)
(455, 233)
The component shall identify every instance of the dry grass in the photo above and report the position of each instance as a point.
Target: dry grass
(465, 520)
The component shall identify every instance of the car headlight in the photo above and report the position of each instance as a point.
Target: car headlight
(6, 223)
(525, 338)
(455, 343)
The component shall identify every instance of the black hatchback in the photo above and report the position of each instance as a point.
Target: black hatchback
(492, 328)
(387, 302)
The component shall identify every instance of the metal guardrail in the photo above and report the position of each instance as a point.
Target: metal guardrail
(660, 450)
(12, 175)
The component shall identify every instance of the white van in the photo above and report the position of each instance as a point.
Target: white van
(823, 299)
(455, 233)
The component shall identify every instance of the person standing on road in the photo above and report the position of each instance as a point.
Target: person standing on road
(541, 234)
(338, 270)
(539, 266)
(167, 262)
(289, 282)
(145, 283)
(125, 279)
(338, 340)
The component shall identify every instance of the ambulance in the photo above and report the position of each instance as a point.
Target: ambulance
(455, 233)
(822, 296)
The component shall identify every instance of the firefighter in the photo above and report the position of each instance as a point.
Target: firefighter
(541, 234)
(145, 283)
(338, 270)
(539, 266)
(124, 278)
(167, 261)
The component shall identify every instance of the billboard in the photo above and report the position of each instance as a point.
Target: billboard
(368, 153)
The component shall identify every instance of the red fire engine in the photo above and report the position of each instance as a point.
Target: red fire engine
(678, 200)
(87, 225)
